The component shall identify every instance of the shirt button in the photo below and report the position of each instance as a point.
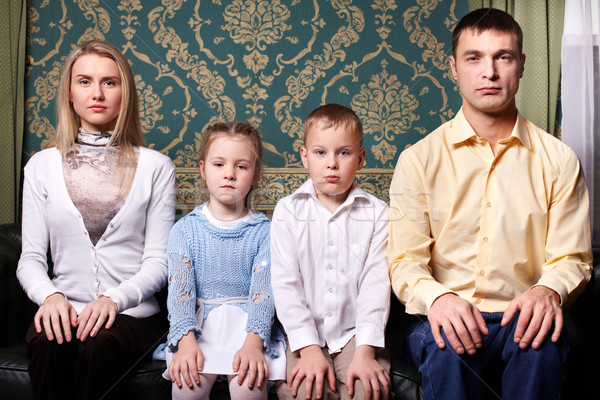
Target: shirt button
(330, 266)
(112, 224)
(482, 273)
(493, 166)
(477, 301)
(489, 204)
(103, 237)
(330, 290)
(485, 239)
(331, 242)
(329, 314)
(96, 266)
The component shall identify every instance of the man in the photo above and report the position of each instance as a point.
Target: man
(489, 232)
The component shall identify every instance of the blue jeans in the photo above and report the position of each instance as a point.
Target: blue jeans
(500, 369)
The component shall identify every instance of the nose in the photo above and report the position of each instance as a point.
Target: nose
(97, 93)
(230, 173)
(332, 163)
(490, 72)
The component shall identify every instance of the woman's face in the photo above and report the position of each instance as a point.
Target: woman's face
(96, 92)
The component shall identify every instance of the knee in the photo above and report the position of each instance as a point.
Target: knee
(237, 391)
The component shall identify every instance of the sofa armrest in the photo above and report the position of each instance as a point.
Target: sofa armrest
(16, 310)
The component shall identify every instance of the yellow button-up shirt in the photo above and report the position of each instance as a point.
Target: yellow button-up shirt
(487, 227)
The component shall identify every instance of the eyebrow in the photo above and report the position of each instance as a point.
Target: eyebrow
(111, 77)
(499, 51)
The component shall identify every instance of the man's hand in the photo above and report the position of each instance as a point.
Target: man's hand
(94, 314)
(372, 375)
(187, 362)
(314, 367)
(58, 316)
(249, 360)
(540, 308)
(462, 323)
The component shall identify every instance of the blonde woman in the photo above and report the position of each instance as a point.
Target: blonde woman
(103, 204)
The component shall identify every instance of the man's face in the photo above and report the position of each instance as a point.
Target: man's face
(488, 67)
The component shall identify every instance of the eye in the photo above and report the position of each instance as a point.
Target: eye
(344, 153)
(110, 83)
(242, 166)
(218, 164)
(505, 57)
(319, 152)
(84, 82)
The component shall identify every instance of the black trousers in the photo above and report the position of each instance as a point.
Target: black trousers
(93, 369)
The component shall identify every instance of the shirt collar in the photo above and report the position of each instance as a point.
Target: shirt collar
(308, 189)
(461, 130)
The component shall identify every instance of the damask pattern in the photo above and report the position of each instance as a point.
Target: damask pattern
(268, 62)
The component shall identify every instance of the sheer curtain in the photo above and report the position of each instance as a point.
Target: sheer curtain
(580, 90)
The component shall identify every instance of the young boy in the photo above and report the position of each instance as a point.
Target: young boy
(329, 268)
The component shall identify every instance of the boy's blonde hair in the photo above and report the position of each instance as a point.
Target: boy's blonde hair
(332, 116)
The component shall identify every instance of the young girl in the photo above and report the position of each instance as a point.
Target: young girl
(104, 204)
(220, 301)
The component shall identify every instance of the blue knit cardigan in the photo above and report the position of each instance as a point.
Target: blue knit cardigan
(208, 262)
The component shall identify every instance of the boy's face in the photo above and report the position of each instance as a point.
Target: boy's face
(332, 157)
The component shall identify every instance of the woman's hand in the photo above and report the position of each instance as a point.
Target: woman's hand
(94, 314)
(58, 316)
(187, 362)
(251, 361)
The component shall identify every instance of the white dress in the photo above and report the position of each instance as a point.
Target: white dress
(224, 331)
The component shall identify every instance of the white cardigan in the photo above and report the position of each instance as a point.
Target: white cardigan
(128, 263)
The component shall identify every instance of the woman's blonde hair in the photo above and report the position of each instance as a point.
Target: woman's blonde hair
(127, 132)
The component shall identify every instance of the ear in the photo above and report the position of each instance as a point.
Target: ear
(452, 62)
(202, 172)
(304, 156)
(522, 64)
(361, 159)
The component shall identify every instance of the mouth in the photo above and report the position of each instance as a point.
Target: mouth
(332, 178)
(97, 108)
(489, 90)
(227, 187)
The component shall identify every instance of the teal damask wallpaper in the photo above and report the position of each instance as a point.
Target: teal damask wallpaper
(268, 62)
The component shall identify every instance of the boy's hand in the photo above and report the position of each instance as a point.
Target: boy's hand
(314, 367)
(372, 375)
(250, 360)
(187, 362)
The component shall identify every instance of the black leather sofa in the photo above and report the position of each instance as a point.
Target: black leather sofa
(145, 381)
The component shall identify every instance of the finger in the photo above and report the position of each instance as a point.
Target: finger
(471, 338)
(47, 326)
(308, 388)
(522, 323)
(186, 372)
(236, 364)
(453, 338)
(294, 380)
(545, 328)
(437, 336)
(56, 328)
(251, 374)
(350, 382)
(558, 325)
(175, 375)
(37, 321)
(87, 327)
(384, 381)
(73, 317)
(82, 321)
(509, 313)
(262, 374)
(331, 378)
(200, 361)
(98, 325)
(112, 315)
(528, 326)
(366, 385)
(480, 321)
(195, 375)
(243, 372)
(66, 324)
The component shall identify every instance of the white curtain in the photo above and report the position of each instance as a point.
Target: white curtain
(580, 95)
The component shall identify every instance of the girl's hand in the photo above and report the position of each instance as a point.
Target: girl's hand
(251, 361)
(187, 362)
(57, 315)
(94, 314)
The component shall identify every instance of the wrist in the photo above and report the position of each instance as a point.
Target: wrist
(310, 351)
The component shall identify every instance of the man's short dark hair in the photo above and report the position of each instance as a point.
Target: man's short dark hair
(487, 19)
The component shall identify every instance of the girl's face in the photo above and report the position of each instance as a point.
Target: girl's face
(96, 92)
(229, 170)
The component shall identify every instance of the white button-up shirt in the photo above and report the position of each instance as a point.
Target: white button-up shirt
(329, 270)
